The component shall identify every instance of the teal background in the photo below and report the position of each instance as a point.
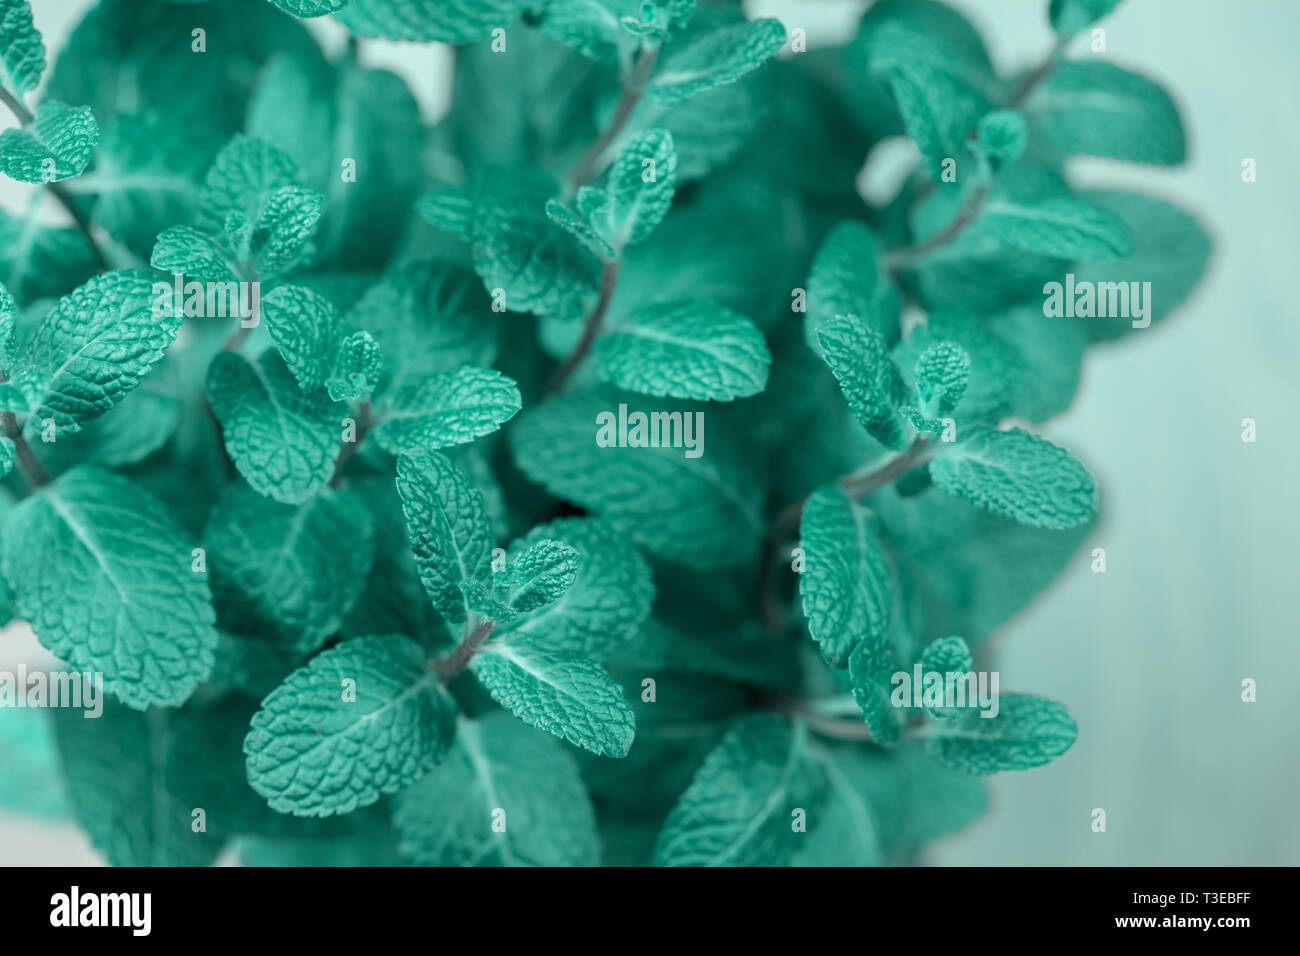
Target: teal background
(1200, 529)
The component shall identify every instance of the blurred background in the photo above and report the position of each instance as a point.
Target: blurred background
(1200, 529)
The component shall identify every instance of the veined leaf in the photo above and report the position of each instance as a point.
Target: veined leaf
(446, 21)
(187, 251)
(93, 348)
(448, 527)
(871, 668)
(22, 54)
(138, 614)
(1019, 476)
(246, 173)
(845, 587)
(688, 349)
(1068, 17)
(363, 719)
(738, 809)
(57, 146)
(1028, 731)
(282, 230)
(306, 328)
(448, 409)
(640, 189)
(541, 575)
(1059, 226)
(715, 58)
(570, 697)
(497, 767)
(941, 375)
(847, 279)
(859, 358)
(283, 441)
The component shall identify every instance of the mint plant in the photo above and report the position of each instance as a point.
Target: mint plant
(585, 477)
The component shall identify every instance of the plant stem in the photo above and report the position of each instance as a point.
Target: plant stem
(585, 170)
(856, 485)
(58, 190)
(364, 424)
(455, 662)
(33, 471)
(591, 328)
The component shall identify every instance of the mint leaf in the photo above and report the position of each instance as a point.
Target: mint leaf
(847, 279)
(358, 360)
(579, 227)
(8, 329)
(871, 668)
(22, 54)
(708, 130)
(1100, 109)
(608, 601)
(591, 27)
(569, 697)
(1068, 17)
(738, 809)
(845, 587)
(305, 327)
(1027, 732)
(948, 655)
(37, 260)
(1000, 137)
(852, 830)
(118, 781)
(639, 190)
(287, 574)
(187, 251)
(1170, 250)
(715, 58)
(93, 348)
(1060, 226)
(446, 21)
(1019, 476)
(689, 349)
(498, 772)
(243, 177)
(149, 418)
(541, 574)
(282, 441)
(448, 527)
(281, 232)
(938, 111)
(941, 375)
(448, 409)
(702, 511)
(363, 719)
(138, 614)
(58, 145)
(859, 359)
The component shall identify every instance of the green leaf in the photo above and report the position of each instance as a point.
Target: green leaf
(569, 697)
(579, 227)
(541, 575)
(871, 669)
(852, 830)
(608, 601)
(8, 454)
(310, 8)
(187, 251)
(1068, 17)
(283, 441)
(305, 327)
(941, 375)
(687, 349)
(1020, 476)
(1059, 226)
(357, 364)
(702, 511)
(118, 781)
(288, 574)
(1170, 250)
(1027, 732)
(715, 58)
(738, 809)
(445, 21)
(591, 27)
(283, 229)
(845, 586)
(847, 279)
(93, 348)
(8, 329)
(57, 146)
(364, 718)
(37, 260)
(859, 358)
(640, 189)
(351, 132)
(938, 111)
(1099, 109)
(1000, 137)
(448, 409)
(149, 418)
(22, 54)
(947, 655)
(34, 783)
(498, 766)
(428, 317)
(448, 527)
(246, 173)
(138, 614)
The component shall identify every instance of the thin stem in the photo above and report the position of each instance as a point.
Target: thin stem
(364, 423)
(240, 333)
(455, 662)
(58, 190)
(585, 170)
(591, 328)
(33, 471)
